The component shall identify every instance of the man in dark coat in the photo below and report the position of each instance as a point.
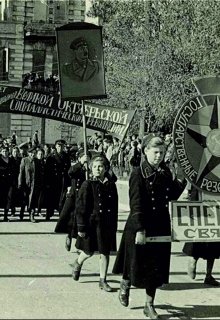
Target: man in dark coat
(146, 264)
(208, 251)
(57, 178)
(6, 180)
(31, 179)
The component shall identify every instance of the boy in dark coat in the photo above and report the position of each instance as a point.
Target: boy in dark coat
(146, 264)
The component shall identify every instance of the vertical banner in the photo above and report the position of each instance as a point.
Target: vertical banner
(81, 61)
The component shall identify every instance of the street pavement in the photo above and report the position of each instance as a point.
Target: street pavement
(36, 282)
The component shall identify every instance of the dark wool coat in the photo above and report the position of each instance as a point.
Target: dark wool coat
(31, 180)
(97, 215)
(205, 250)
(149, 193)
(66, 219)
(17, 195)
(6, 182)
(57, 179)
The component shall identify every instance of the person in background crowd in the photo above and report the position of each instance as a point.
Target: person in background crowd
(57, 178)
(99, 144)
(134, 155)
(146, 264)
(17, 196)
(208, 251)
(6, 180)
(14, 139)
(77, 173)
(26, 180)
(35, 139)
(47, 150)
(96, 217)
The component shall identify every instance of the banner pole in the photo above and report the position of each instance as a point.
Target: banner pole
(85, 137)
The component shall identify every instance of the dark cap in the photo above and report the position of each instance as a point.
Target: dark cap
(32, 149)
(147, 139)
(76, 43)
(60, 142)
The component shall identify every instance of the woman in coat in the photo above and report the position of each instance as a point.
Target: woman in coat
(77, 174)
(97, 216)
(146, 264)
(208, 251)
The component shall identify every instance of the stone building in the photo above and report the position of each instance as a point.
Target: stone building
(28, 44)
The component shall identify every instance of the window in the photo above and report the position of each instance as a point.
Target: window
(50, 20)
(4, 63)
(39, 61)
(50, 10)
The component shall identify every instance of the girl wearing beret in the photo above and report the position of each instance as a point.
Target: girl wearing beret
(97, 216)
(146, 264)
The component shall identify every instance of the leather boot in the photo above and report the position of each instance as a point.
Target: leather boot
(124, 292)
(103, 285)
(76, 270)
(5, 215)
(32, 217)
(150, 312)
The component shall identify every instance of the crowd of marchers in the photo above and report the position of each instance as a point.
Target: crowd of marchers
(80, 183)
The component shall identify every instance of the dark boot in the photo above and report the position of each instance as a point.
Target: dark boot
(5, 215)
(32, 217)
(12, 212)
(76, 270)
(150, 312)
(124, 292)
(103, 285)
(22, 213)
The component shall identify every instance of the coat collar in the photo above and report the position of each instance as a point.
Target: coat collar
(148, 171)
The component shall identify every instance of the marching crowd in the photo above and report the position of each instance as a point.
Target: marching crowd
(82, 188)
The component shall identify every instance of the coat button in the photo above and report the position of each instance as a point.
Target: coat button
(151, 183)
(152, 199)
(152, 192)
(99, 195)
(166, 205)
(100, 210)
(109, 210)
(100, 204)
(109, 196)
(154, 208)
(166, 197)
(168, 189)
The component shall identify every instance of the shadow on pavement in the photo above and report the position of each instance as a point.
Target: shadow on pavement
(185, 286)
(190, 312)
(200, 312)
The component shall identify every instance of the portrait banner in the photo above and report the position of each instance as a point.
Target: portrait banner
(81, 61)
(197, 221)
(102, 118)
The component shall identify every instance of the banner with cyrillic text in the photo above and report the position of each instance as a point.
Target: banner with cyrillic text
(115, 121)
(195, 221)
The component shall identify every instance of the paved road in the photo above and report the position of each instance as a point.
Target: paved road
(36, 283)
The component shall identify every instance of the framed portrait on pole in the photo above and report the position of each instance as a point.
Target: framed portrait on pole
(81, 61)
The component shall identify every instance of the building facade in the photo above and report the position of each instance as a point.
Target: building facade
(28, 44)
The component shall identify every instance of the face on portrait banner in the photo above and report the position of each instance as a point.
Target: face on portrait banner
(196, 135)
(81, 61)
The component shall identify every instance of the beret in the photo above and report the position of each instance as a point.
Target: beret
(31, 149)
(61, 141)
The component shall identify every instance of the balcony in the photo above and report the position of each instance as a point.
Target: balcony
(40, 30)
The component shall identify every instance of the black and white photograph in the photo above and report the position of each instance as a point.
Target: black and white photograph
(110, 159)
